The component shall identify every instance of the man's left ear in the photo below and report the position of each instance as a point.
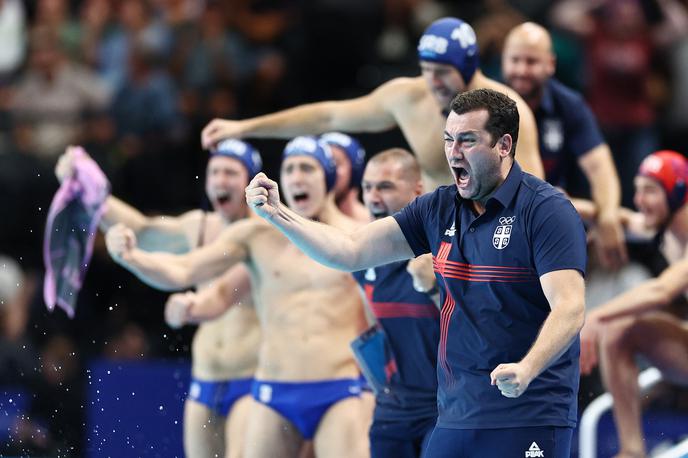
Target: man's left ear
(505, 145)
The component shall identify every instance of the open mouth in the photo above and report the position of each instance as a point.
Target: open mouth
(300, 197)
(462, 176)
(223, 198)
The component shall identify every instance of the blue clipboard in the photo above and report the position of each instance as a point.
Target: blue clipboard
(373, 355)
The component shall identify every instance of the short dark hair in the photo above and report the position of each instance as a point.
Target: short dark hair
(502, 112)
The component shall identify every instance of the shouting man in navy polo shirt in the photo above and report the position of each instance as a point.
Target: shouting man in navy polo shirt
(509, 254)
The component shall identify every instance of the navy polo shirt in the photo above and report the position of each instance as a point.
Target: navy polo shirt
(411, 322)
(567, 130)
(493, 305)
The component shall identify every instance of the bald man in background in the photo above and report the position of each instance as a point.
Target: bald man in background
(568, 133)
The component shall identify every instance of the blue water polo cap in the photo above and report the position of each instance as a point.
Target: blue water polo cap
(354, 151)
(318, 149)
(451, 41)
(243, 152)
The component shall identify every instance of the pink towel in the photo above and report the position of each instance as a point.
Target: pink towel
(70, 232)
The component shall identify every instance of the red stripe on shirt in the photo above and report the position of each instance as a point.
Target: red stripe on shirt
(490, 279)
(463, 264)
(445, 316)
(482, 273)
(404, 310)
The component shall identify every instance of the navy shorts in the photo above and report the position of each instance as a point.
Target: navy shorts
(400, 438)
(532, 442)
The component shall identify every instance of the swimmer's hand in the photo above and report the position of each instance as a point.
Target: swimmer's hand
(177, 309)
(120, 241)
(511, 379)
(65, 167)
(262, 195)
(220, 129)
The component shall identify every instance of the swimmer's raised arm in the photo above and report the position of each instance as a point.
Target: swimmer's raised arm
(153, 233)
(370, 245)
(171, 272)
(370, 113)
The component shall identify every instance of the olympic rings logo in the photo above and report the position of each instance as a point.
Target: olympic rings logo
(507, 220)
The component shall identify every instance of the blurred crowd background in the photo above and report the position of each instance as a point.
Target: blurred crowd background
(135, 81)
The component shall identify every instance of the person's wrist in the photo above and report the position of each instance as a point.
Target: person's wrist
(530, 370)
(129, 256)
(433, 291)
(245, 127)
(608, 216)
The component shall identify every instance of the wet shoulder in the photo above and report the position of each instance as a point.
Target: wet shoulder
(403, 90)
(489, 83)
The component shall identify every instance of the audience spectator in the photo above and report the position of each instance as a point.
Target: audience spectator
(146, 104)
(54, 95)
(55, 16)
(135, 28)
(12, 31)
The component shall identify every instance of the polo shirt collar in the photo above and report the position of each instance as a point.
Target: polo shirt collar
(506, 192)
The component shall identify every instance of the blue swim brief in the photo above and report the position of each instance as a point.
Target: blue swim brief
(304, 403)
(219, 396)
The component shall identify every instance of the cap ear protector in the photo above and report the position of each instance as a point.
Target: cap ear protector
(243, 152)
(317, 149)
(670, 170)
(453, 42)
(354, 151)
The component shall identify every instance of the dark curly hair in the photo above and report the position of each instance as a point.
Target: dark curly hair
(502, 112)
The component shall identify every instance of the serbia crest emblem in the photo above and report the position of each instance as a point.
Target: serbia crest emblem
(502, 234)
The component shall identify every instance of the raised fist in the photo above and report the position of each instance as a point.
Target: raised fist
(120, 241)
